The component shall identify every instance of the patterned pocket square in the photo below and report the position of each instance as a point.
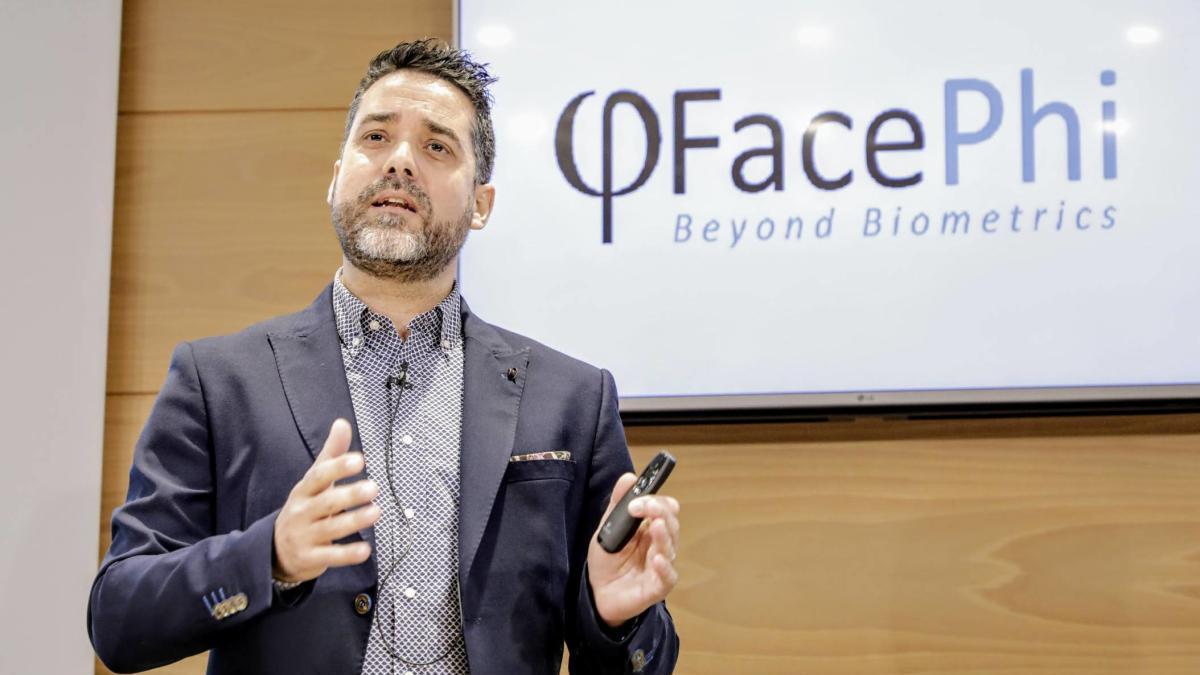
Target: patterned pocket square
(560, 455)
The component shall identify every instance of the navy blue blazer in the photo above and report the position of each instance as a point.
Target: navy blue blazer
(238, 422)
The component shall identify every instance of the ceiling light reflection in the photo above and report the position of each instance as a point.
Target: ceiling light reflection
(1142, 35)
(1117, 126)
(814, 35)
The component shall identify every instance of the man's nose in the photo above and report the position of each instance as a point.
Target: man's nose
(402, 161)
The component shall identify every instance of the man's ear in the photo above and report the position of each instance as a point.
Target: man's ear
(485, 197)
(337, 167)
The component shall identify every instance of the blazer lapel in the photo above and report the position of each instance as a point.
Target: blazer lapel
(493, 380)
(308, 355)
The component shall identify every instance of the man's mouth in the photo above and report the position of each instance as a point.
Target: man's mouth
(393, 201)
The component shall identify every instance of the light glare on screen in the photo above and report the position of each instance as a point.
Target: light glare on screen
(1142, 35)
(814, 35)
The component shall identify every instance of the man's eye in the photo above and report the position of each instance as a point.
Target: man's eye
(438, 147)
(374, 137)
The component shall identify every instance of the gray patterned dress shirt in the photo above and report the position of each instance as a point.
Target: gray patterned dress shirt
(407, 397)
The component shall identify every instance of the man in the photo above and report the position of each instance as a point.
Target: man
(384, 483)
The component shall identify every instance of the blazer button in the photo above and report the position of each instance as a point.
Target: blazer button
(362, 604)
(638, 661)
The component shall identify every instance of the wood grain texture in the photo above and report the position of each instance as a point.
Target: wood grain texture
(220, 221)
(1070, 554)
(193, 665)
(266, 54)
(899, 428)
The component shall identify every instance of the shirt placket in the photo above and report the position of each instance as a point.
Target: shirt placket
(413, 632)
(388, 353)
(408, 533)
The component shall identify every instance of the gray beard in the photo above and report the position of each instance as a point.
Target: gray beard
(382, 248)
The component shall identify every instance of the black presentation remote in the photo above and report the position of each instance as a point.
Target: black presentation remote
(620, 526)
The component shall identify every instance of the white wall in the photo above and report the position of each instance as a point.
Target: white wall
(58, 78)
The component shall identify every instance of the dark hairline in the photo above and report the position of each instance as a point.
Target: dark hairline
(457, 67)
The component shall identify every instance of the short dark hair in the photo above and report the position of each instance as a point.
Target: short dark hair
(456, 66)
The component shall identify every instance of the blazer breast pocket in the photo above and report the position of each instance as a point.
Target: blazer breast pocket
(539, 469)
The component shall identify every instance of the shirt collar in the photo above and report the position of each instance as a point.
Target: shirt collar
(353, 317)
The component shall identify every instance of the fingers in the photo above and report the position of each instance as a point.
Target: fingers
(653, 506)
(622, 486)
(666, 575)
(335, 527)
(662, 559)
(333, 464)
(664, 508)
(338, 440)
(317, 512)
(658, 537)
(661, 541)
(341, 555)
(341, 498)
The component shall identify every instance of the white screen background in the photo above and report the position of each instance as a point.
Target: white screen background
(846, 313)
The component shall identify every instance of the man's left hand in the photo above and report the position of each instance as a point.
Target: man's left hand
(626, 583)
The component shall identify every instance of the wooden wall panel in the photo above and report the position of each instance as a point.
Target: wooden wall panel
(220, 221)
(1061, 554)
(266, 54)
(193, 665)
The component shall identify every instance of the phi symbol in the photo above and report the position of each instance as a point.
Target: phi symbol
(564, 148)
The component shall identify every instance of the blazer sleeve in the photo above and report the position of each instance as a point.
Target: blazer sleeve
(648, 644)
(169, 584)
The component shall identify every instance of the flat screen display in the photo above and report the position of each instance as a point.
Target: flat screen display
(798, 204)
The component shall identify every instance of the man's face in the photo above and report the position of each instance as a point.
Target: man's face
(403, 195)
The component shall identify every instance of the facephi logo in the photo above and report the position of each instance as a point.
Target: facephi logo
(565, 150)
(831, 178)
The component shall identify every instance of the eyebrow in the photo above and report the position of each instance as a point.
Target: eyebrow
(434, 127)
(378, 118)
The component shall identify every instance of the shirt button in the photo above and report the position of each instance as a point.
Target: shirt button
(374, 325)
(407, 440)
(356, 341)
(408, 672)
(410, 593)
(445, 344)
(362, 604)
(355, 377)
(409, 513)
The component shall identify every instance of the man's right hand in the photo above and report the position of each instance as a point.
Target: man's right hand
(318, 513)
